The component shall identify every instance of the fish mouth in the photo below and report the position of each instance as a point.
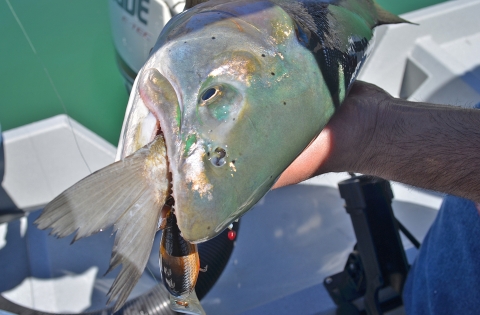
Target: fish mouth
(154, 110)
(196, 201)
(155, 94)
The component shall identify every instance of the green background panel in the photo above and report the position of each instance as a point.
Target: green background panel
(74, 48)
(69, 67)
(400, 7)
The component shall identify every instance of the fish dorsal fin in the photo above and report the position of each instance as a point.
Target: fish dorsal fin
(385, 17)
(338, 34)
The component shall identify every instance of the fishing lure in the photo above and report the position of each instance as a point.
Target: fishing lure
(179, 265)
(179, 260)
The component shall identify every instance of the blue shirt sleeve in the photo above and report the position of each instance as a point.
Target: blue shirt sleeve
(445, 276)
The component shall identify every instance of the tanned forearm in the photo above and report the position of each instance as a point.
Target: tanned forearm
(430, 146)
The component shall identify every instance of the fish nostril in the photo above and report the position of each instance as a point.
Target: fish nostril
(218, 157)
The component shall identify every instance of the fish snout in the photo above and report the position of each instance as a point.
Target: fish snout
(201, 188)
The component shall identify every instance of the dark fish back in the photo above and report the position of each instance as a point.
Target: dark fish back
(339, 48)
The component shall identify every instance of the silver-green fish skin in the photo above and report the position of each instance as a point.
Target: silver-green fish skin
(239, 89)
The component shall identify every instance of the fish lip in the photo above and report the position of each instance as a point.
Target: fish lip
(143, 123)
(152, 82)
(144, 135)
(175, 159)
(170, 199)
(200, 240)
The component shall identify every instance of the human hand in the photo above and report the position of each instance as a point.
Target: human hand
(342, 143)
(426, 145)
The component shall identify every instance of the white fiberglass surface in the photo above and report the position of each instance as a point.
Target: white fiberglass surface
(293, 238)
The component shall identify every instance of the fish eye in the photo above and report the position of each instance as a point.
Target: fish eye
(218, 101)
(210, 93)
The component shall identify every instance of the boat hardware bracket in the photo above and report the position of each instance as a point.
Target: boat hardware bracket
(376, 269)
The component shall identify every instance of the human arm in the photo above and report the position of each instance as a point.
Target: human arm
(430, 146)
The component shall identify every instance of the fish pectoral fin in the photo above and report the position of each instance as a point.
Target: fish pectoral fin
(135, 232)
(97, 201)
(118, 195)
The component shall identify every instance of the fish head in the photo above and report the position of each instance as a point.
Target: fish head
(237, 98)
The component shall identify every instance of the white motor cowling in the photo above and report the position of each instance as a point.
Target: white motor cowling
(136, 25)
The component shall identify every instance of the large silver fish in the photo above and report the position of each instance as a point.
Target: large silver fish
(238, 89)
